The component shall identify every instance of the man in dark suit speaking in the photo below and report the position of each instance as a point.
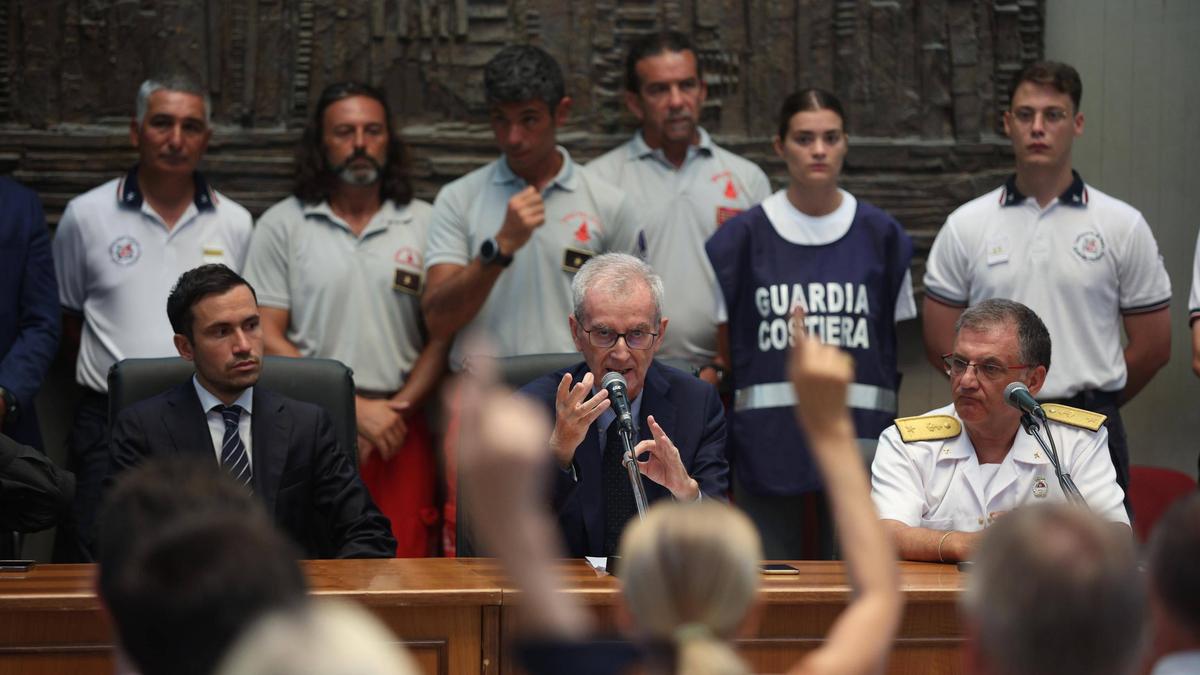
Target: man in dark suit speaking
(618, 326)
(285, 451)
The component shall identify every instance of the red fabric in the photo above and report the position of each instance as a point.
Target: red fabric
(404, 490)
(1152, 490)
(450, 504)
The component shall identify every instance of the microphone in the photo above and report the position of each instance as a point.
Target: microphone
(618, 393)
(1017, 395)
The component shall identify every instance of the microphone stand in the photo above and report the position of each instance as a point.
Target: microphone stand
(1064, 479)
(629, 461)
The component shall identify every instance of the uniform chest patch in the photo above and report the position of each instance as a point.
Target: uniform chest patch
(125, 250)
(725, 213)
(1089, 246)
(407, 282)
(1040, 488)
(574, 258)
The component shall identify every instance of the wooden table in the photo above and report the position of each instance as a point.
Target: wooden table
(456, 615)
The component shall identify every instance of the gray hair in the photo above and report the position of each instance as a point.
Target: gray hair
(1046, 568)
(171, 82)
(521, 73)
(1033, 340)
(613, 274)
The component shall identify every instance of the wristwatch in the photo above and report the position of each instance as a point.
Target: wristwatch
(11, 410)
(489, 254)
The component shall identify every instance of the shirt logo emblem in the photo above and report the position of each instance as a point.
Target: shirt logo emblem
(1089, 246)
(730, 190)
(408, 256)
(125, 250)
(1040, 488)
(584, 225)
(574, 258)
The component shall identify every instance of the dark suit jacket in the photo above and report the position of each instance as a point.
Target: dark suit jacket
(689, 411)
(29, 312)
(308, 484)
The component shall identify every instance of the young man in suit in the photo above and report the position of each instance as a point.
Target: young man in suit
(285, 451)
(618, 326)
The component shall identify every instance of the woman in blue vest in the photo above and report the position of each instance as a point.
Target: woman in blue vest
(844, 262)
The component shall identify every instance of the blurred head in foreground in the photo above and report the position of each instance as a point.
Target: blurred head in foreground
(690, 576)
(1054, 590)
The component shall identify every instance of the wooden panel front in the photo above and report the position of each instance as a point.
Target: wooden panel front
(458, 616)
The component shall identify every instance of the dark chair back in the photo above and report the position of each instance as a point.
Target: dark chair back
(323, 382)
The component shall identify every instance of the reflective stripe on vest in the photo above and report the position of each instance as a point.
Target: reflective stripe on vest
(780, 395)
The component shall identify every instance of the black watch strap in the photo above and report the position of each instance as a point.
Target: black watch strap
(489, 254)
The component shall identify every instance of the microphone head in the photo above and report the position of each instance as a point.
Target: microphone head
(613, 377)
(1012, 388)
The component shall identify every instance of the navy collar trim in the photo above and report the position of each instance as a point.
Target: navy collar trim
(1075, 195)
(130, 195)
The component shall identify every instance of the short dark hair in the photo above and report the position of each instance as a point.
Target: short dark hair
(193, 286)
(1173, 552)
(189, 592)
(187, 557)
(315, 180)
(1043, 567)
(654, 44)
(807, 100)
(1033, 340)
(1062, 77)
(521, 73)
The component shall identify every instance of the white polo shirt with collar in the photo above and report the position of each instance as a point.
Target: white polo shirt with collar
(526, 311)
(681, 207)
(356, 299)
(940, 484)
(1081, 263)
(116, 262)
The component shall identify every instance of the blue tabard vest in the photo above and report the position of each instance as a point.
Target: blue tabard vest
(848, 291)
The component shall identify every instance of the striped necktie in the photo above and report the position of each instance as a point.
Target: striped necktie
(233, 451)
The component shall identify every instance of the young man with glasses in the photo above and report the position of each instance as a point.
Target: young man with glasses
(618, 326)
(1086, 262)
(938, 480)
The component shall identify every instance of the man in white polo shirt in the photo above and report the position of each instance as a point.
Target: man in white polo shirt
(505, 239)
(1086, 262)
(685, 186)
(118, 250)
(338, 269)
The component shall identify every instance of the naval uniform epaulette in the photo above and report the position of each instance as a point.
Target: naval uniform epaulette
(928, 428)
(1076, 417)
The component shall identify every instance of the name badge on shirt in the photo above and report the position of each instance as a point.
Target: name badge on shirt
(997, 250)
(407, 282)
(574, 258)
(213, 254)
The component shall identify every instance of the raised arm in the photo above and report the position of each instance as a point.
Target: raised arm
(862, 636)
(502, 458)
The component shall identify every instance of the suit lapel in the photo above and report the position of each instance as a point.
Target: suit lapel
(655, 402)
(270, 429)
(185, 423)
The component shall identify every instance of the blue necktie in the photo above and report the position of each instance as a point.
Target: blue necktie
(233, 451)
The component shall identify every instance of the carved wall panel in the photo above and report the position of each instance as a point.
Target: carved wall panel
(923, 81)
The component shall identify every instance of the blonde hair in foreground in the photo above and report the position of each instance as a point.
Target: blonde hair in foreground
(690, 574)
(325, 637)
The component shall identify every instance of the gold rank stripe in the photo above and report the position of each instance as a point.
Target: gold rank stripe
(928, 428)
(1076, 417)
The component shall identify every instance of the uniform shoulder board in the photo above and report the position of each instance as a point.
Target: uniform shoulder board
(928, 428)
(1076, 417)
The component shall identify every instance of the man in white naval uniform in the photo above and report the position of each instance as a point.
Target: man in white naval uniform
(938, 480)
